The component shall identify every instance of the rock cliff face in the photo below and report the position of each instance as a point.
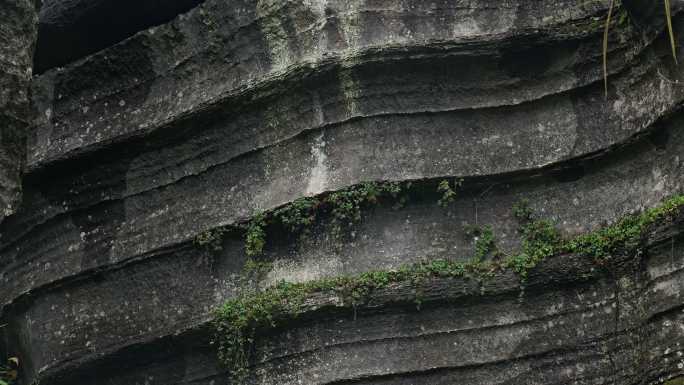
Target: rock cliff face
(17, 38)
(161, 151)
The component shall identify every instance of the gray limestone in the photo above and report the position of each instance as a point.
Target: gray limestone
(17, 39)
(231, 108)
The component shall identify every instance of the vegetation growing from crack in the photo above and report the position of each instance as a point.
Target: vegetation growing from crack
(255, 238)
(298, 215)
(448, 192)
(484, 242)
(540, 239)
(238, 321)
(8, 372)
(211, 239)
(345, 208)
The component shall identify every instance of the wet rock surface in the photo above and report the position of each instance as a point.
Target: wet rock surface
(227, 109)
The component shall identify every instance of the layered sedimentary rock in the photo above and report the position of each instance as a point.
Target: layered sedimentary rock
(71, 29)
(195, 126)
(17, 39)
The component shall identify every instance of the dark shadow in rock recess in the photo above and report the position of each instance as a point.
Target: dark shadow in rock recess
(71, 29)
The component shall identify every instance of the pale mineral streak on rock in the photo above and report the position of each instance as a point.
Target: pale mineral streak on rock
(319, 173)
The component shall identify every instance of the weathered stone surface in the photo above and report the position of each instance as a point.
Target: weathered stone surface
(622, 326)
(249, 52)
(232, 109)
(72, 29)
(17, 39)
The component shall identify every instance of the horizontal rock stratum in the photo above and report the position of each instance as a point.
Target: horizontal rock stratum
(217, 152)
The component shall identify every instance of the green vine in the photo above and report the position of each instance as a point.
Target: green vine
(212, 239)
(255, 238)
(299, 214)
(522, 210)
(485, 241)
(344, 206)
(448, 192)
(540, 239)
(238, 321)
